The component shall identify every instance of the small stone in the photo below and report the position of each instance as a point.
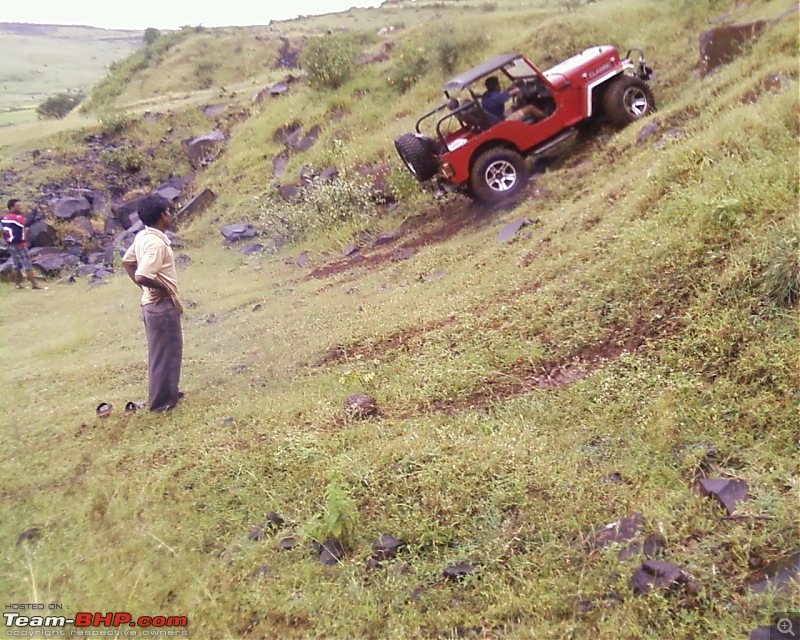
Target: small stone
(349, 250)
(29, 535)
(386, 547)
(655, 574)
(360, 405)
(274, 520)
(261, 572)
(458, 571)
(510, 230)
(331, 552)
(256, 533)
(779, 576)
(618, 531)
(402, 254)
(387, 237)
(728, 493)
(287, 544)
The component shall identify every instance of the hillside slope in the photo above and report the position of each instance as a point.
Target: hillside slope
(545, 406)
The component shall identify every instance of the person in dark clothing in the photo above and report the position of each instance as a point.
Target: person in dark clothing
(150, 263)
(14, 231)
(494, 102)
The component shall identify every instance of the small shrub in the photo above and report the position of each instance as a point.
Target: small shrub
(113, 122)
(125, 158)
(411, 65)
(151, 34)
(488, 7)
(59, 105)
(204, 72)
(340, 517)
(780, 277)
(329, 60)
(452, 47)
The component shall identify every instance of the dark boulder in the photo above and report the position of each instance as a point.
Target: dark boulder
(69, 208)
(200, 150)
(238, 232)
(41, 234)
(198, 203)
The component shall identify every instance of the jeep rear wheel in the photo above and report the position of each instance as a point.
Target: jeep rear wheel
(416, 154)
(627, 99)
(497, 174)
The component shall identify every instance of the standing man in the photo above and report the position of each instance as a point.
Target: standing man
(149, 262)
(14, 233)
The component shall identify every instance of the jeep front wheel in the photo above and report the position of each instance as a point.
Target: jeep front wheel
(416, 154)
(627, 99)
(498, 174)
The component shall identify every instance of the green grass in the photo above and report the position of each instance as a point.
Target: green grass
(534, 391)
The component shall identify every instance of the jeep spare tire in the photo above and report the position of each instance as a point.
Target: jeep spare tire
(416, 153)
(627, 99)
(498, 174)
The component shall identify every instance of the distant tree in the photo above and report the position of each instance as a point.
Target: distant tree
(151, 34)
(59, 105)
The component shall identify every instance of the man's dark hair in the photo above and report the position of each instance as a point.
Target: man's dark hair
(151, 208)
(492, 83)
(11, 203)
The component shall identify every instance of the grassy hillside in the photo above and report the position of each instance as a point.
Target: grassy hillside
(640, 333)
(40, 60)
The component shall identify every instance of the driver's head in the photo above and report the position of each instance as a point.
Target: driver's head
(492, 83)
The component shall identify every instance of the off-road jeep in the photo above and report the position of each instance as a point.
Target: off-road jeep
(469, 148)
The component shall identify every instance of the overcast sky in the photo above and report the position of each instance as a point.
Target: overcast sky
(167, 14)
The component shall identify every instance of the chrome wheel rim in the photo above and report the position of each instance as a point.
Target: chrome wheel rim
(635, 101)
(501, 176)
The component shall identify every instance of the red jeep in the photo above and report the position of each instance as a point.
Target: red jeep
(477, 152)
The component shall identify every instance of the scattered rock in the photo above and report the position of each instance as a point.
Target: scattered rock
(169, 193)
(256, 533)
(279, 164)
(458, 571)
(251, 248)
(783, 575)
(306, 142)
(197, 204)
(274, 521)
(510, 230)
(200, 150)
(618, 531)
(349, 250)
(238, 232)
(303, 260)
(728, 493)
(402, 254)
(722, 45)
(360, 405)
(104, 409)
(435, 276)
(647, 132)
(386, 547)
(29, 535)
(261, 572)
(331, 552)
(386, 237)
(651, 547)
(658, 575)
(69, 208)
(182, 259)
(287, 544)
(289, 192)
(41, 234)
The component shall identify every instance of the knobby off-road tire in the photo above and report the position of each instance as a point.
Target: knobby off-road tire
(416, 154)
(497, 174)
(627, 99)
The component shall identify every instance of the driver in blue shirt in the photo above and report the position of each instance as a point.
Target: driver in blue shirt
(494, 102)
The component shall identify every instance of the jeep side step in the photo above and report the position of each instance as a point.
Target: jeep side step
(552, 142)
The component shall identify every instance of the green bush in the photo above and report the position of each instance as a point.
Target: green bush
(59, 105)
(151, 34)
(411, 65)
(126, 158)
(780, 277)
(452, 47)
(329, 61)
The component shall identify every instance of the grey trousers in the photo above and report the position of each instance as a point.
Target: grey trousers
(162, 326)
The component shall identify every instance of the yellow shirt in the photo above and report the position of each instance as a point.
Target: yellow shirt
(151, 252)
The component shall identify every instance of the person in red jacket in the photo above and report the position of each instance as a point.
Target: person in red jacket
(13, 223)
